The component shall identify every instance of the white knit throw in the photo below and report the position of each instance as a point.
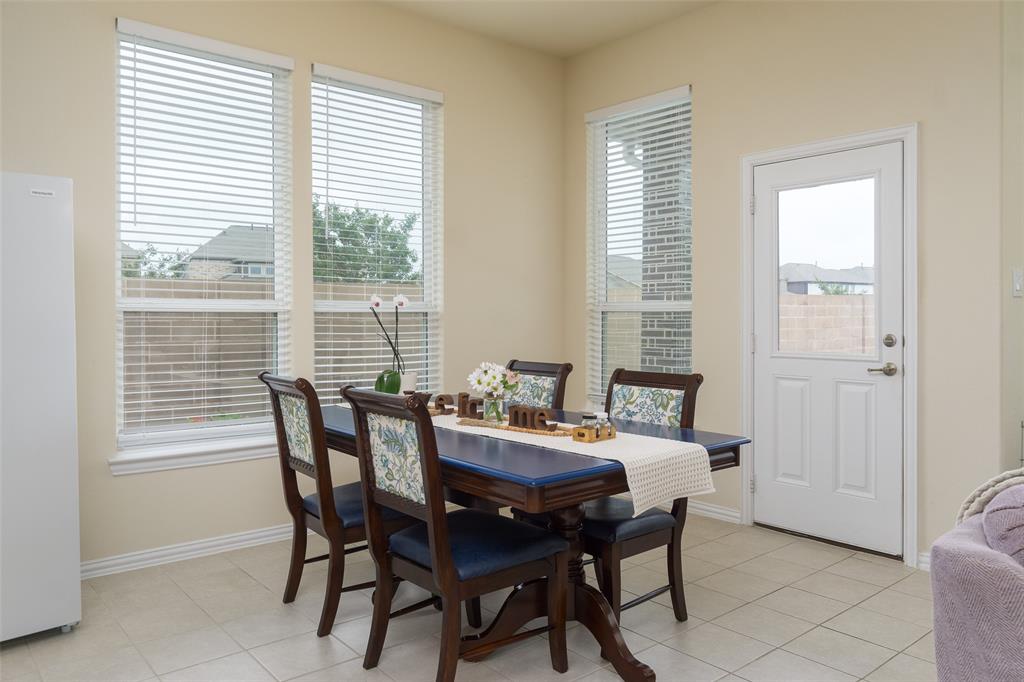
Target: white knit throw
(658, 470)
(979, 499)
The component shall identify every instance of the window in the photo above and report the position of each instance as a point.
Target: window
(639, 238)
(376, 226)
(203, 203)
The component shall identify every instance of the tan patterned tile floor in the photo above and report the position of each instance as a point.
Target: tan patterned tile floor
(763, 605)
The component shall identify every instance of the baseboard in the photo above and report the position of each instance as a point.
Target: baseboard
(224, 543)
(731, 515)
(185, 550)
(714, 511)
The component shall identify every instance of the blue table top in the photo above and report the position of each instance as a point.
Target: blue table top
(528, 464)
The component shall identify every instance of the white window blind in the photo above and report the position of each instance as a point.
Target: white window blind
(377, 227)
(204, 215)
(639, 236)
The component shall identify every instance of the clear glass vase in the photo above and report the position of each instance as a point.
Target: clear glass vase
(494, 409)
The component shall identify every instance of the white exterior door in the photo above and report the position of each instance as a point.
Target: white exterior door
(828, 346)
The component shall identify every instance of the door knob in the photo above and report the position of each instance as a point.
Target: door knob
(888, 369)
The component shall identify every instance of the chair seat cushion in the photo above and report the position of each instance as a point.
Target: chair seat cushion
(610, 519)
(348, 502)
(481, 543)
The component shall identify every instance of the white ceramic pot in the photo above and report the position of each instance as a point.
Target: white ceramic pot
(409, 381)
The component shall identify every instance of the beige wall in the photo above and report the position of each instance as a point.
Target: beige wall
(764, 75)
(768, 75)
(1013, 232)
(502, 182)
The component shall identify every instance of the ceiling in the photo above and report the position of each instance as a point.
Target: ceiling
(558, 27)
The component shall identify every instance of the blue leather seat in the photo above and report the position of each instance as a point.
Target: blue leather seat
(610, 520)
(481, 543)
(348, 502)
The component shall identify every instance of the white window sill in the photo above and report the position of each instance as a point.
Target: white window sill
(197, 453)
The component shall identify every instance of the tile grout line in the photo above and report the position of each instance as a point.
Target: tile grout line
(816, 625)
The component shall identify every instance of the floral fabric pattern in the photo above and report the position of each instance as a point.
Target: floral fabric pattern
(395, 451)
(534, 391)
(295, 414)
(645, 404)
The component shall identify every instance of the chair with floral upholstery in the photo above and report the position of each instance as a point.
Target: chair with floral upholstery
(541, 384)
(459, 555)
(302, 448)
(610, 531)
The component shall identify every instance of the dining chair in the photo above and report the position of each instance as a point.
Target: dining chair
(610, 531)
(541, 384)
(302, 449)
(459, 555)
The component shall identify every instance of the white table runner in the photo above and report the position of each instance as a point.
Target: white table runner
(657, 470)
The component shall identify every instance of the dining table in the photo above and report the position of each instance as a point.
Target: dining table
(490, 472)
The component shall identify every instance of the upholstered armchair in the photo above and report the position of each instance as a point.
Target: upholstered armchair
(977, 572)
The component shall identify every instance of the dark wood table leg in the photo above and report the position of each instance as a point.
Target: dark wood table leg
(586, 605)
(527, 601)
(589, 607)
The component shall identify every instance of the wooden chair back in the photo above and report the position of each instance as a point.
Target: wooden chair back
(301, 442)
(688, 383)
(400, 470)
(557, 371)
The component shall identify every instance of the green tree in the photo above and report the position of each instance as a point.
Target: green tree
(359, 245)
(833, 288)
(152, 264)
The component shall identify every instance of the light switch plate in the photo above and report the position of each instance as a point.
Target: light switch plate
(1018, 282)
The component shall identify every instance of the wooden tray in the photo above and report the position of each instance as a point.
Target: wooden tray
(560, 431)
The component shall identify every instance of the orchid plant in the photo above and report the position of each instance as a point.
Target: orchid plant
(493, 380)
(389, 381)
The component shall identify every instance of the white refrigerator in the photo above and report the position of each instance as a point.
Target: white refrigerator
(40, 560)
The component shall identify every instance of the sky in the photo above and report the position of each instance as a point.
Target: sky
(831, 225)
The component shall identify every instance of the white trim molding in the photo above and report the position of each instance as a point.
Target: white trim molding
(713, 511)
(197, 453)
(377, 83)
(185, 550)
(634, 105)
(166, 35)
(907, 135)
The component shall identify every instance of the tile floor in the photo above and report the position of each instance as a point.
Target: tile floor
(763, 606)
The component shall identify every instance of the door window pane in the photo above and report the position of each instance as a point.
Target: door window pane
(827, 268)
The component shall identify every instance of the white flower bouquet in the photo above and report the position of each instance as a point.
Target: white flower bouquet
(496, 383)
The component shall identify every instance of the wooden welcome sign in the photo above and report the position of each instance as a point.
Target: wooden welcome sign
(469, 407)
(533, 418)
(443, 404)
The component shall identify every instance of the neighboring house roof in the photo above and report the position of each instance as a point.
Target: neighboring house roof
(624, 272)
(245, 243)
(129, 251)
(805, 272)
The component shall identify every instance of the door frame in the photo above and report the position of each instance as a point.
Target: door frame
(908, 136)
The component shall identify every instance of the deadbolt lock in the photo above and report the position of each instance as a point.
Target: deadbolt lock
(889, 340)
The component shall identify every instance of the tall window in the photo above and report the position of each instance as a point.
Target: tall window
(204, 220)
(376, 226)
(639, 230)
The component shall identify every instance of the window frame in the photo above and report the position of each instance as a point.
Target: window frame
(433, 216)
(597, 239)
(176, 447)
